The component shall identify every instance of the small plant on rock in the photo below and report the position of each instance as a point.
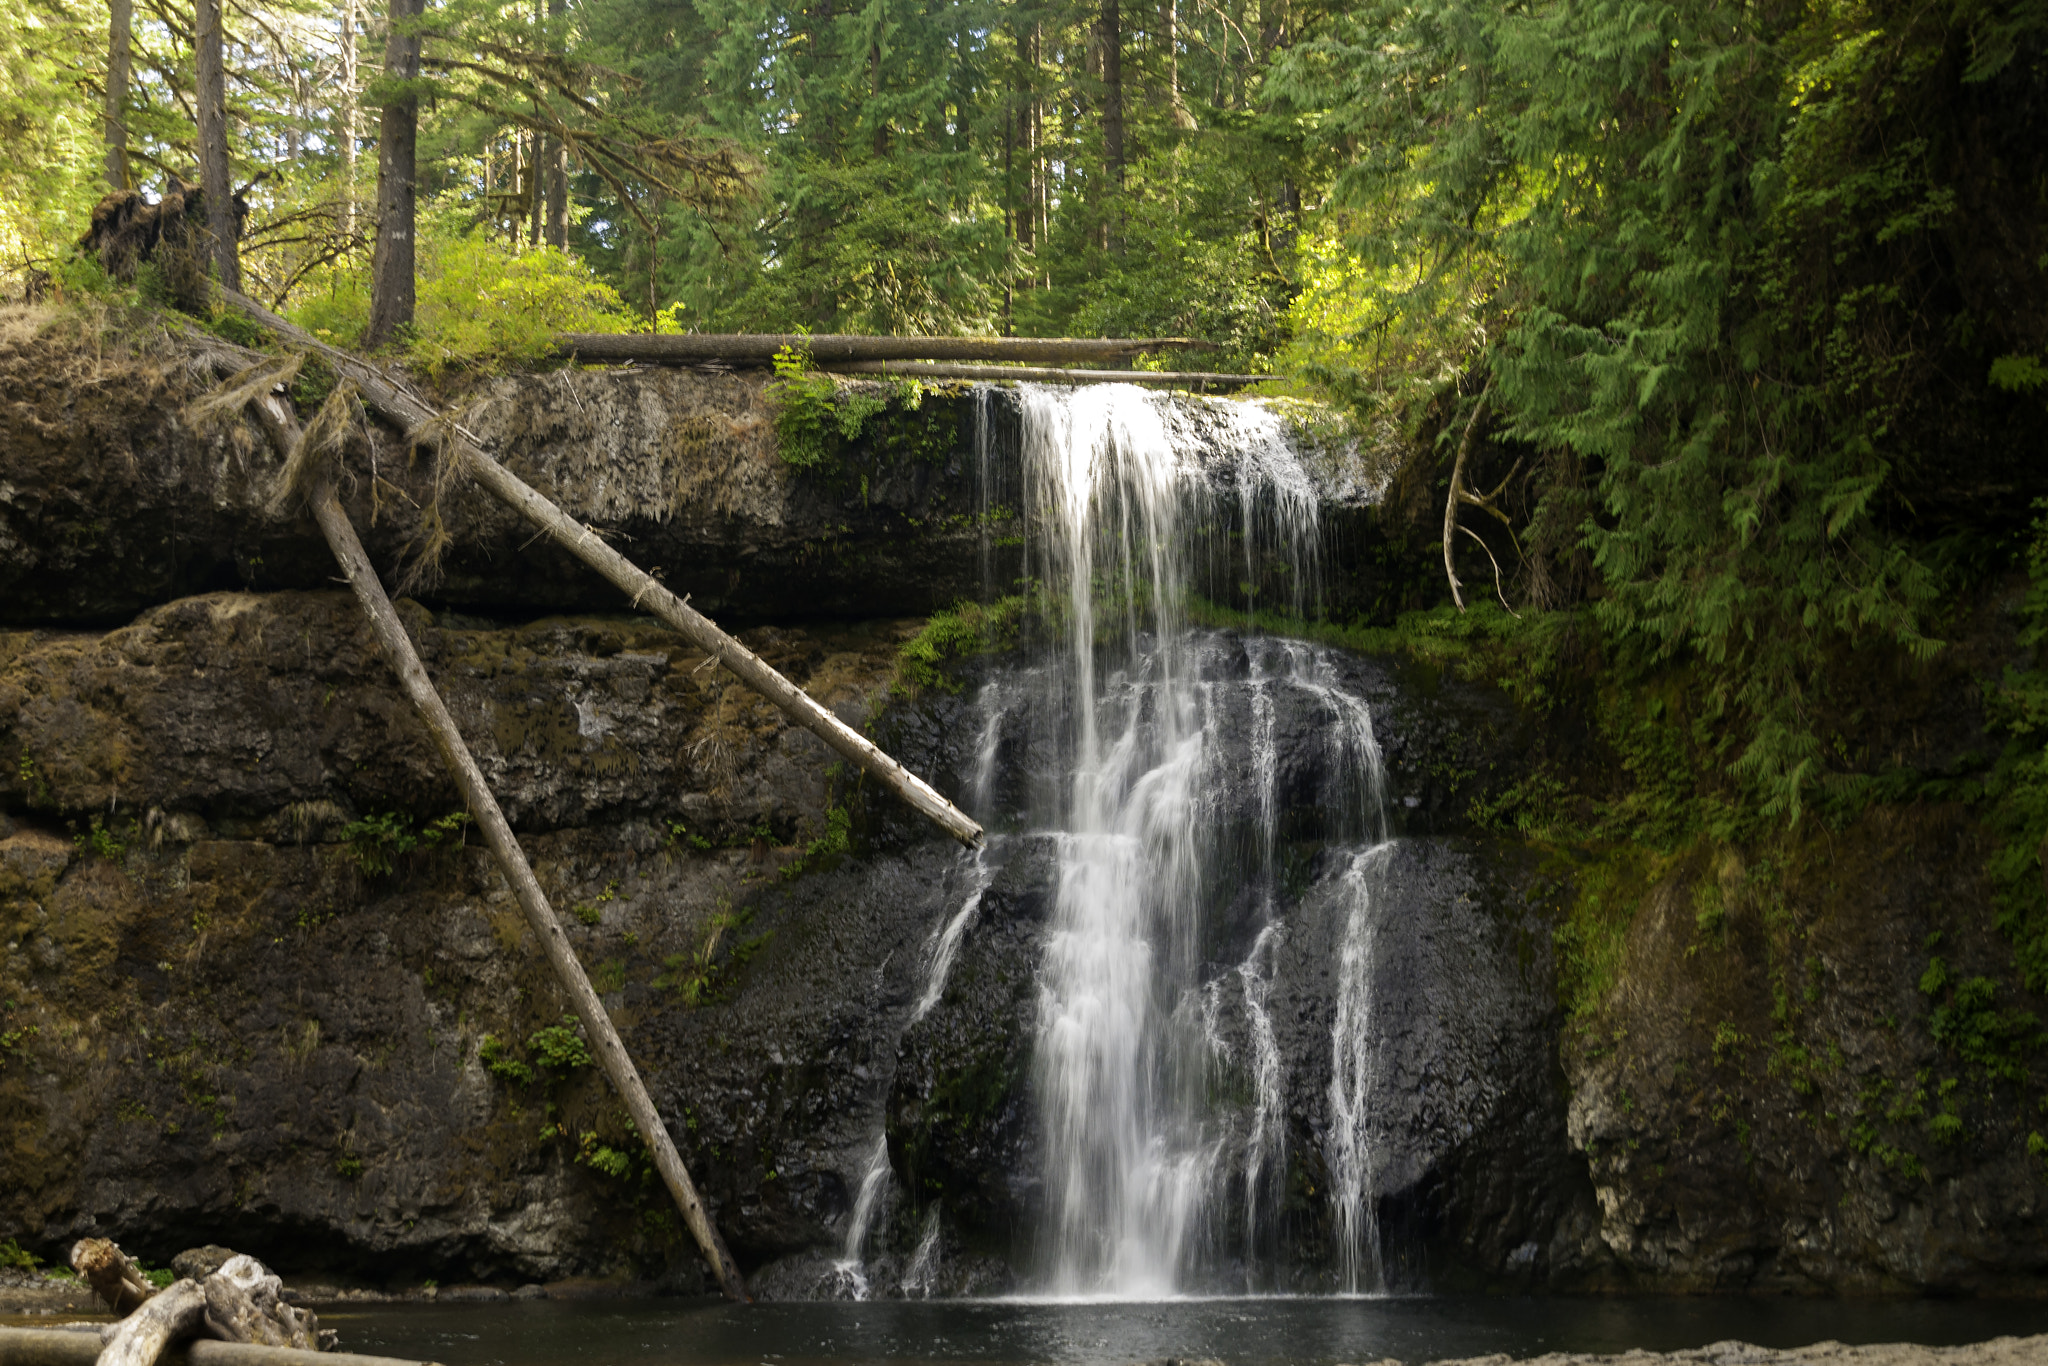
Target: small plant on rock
(560, 1048)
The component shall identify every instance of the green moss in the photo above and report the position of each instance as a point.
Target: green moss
(927, 659)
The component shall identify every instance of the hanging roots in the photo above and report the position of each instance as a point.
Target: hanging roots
(238, 391)
(441, 437)
(314, 453)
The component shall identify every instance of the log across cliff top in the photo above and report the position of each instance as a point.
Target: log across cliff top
(828, 349)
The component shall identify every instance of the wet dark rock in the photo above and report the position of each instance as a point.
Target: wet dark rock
(113, 500)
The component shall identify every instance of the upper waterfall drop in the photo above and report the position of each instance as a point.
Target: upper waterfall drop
(1132, 500)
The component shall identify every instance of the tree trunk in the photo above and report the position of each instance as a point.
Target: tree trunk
(555, 161)
(351, 116)
(119, 22)
(832, 349)
(211, 99)
(1176, 379)
(391, 264)
(536, 203)
(540, 916)
(1109, 33)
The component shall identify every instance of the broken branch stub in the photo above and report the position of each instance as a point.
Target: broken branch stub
(424, 424)
(110, 1272)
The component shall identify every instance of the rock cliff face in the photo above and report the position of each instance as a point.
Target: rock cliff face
(115, 497)
(257, 988)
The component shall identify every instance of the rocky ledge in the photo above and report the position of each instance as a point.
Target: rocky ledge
(116, 496)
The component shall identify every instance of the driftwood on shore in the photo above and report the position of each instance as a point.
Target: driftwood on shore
(239, 1302)
(833, 351)
(73, 1347)
(422, 423)
(173, 1314)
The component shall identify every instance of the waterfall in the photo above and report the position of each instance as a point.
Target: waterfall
(849, 1271)
(1124, 490)
(945, 943)
(1159, 1079)
(1351, 1081)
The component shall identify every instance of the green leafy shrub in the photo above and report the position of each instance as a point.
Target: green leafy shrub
(481, 304)
(826, 850)
(377, 842)
(968, 629)
(501, 1064)
(13, 1254)
(815, 416)
(98, 841)
(560, 1048)
(599, 1156)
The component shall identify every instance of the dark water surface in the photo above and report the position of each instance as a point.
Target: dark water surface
(1248, 1332)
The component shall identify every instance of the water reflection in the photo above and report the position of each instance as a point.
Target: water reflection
(1242, 1332)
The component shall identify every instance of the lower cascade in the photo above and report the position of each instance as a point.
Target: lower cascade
(1156, 1077)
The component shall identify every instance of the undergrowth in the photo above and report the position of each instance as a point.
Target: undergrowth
(817, 418)
(927, 660)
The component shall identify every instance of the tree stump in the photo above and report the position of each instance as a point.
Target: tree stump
(110, 1272)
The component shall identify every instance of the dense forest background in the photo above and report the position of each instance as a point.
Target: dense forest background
(1738, 309)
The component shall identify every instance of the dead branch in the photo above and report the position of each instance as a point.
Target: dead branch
(540, 916)
(1458, 495)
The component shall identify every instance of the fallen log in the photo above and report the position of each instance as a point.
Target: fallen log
(1178, 379)
(830, 349)
(173, 1314)
(423, 424)
(62, 1347)
(604, 1038)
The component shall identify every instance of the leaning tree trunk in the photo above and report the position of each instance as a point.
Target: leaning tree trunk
(391, 264)
(120, 15)
(540, 916)
(212, 100)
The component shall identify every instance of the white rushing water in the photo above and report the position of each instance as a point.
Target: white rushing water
(1123, 490)
(849, 1271)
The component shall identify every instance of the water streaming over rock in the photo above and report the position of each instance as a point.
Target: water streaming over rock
(849, 1271)
(1131, 497)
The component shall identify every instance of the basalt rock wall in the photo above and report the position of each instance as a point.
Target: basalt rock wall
(256, 989)
(116, 496)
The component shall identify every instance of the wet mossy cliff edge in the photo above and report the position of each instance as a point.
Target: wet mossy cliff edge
(256, 988)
